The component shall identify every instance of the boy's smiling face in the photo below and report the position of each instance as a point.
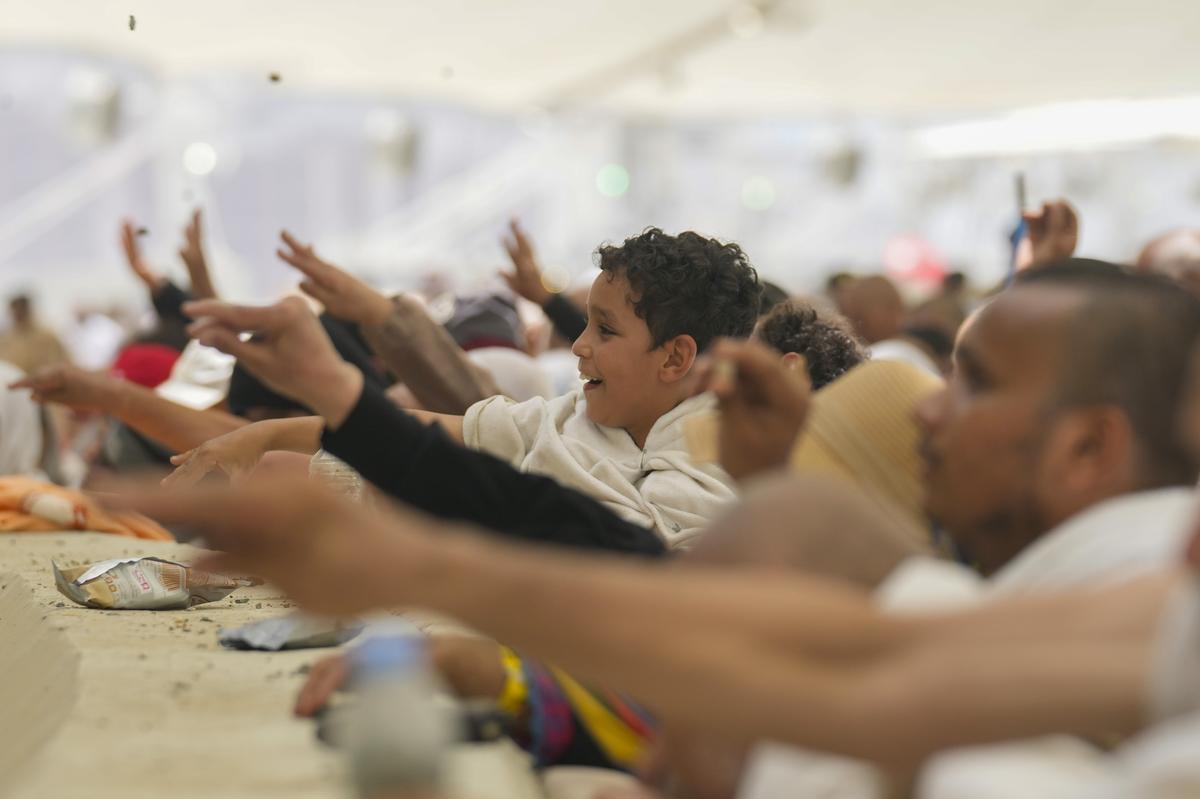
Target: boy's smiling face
(630, 382)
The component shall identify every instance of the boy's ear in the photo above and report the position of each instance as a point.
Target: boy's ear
(681, 353)
(793, 361)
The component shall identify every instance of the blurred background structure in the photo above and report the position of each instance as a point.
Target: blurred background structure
(823, 135)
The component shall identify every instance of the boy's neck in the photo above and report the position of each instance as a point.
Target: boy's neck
(641, 432)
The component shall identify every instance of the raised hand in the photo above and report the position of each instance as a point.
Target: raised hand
(1053, 233)
(763, 406)
(73, 387)
(342, 294)
(289, 351)
(526, 278)
(133, 256)
(192, 254)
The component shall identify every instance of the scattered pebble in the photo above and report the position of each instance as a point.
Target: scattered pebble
(300, 672)
(60, 604)
(142, 656)
(132, 22)
(241, 601)
(205, 618)
(258, 606)
(275, 77)
(143, 231)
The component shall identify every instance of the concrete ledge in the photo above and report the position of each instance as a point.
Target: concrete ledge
(39, 686)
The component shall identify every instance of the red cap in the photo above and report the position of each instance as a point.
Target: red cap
(145, 364)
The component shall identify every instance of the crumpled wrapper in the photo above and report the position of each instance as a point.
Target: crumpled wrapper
(143, 584)
(294, 631)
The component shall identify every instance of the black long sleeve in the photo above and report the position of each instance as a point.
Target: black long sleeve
(422, 466)
(567, 319)
(168, 302)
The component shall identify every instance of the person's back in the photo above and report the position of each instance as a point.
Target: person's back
(659, 302)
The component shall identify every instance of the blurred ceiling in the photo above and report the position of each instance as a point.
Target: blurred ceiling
(692, 57)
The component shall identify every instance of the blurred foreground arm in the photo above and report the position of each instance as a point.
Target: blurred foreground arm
(174, 426)
(810, 662)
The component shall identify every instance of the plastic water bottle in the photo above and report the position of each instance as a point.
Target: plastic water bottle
(399, 733)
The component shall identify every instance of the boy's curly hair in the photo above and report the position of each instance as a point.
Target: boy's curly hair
(686, 285)
(826, 342)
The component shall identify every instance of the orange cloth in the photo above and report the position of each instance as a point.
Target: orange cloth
(31, 506)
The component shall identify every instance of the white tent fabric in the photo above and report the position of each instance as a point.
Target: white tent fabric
(804, 55)
(401, 136)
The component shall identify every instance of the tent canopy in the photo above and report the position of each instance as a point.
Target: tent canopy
(707, 57)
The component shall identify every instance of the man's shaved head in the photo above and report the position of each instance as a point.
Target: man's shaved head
(875, 308)
(1129, 345)
(1065, 393)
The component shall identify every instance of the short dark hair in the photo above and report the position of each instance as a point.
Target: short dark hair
(1130, 345)
(686, 285)
(825, 341)
(772, 296)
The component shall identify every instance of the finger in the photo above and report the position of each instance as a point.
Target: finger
(182, 457)
(228, 342)
(523, 242)
(310, 267)
(237, 317)
(723, 376)
(510, 278)
(296, 245)
(192, 471)
(328, 675)
(510, 247)
(760, 372)
(316, 291)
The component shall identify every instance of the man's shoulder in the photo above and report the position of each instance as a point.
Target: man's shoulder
(1117, 538)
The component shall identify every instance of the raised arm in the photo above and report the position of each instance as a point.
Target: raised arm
(414, 347)
(174, 426)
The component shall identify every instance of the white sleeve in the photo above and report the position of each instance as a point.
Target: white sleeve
(501, 427)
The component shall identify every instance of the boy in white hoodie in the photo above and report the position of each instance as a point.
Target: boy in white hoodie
(659, 301)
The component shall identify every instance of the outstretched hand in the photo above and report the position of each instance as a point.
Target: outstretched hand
(73, 387)
(289, 351)
(1053, 233)
(526, 278)
(234, 454)
(192, 254)
(763, 406)
(331, 555)
(342, 294)
(133, 256)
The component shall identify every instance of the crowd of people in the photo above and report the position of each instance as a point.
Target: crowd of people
(734, 542)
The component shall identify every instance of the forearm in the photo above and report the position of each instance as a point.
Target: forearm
(670, 637)
(1122, 612)
(175, 426)
(299, 434)
(450, 423)
(425, 358)
(419, 464)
